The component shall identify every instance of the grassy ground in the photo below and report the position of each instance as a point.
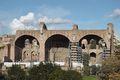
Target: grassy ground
(89, 78)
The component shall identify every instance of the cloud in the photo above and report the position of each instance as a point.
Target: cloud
(28, 18)
(24, 22)
(17, 24)
(115, 14)
(3, 25)
(47, 14)
(28, 22)
(54, 20)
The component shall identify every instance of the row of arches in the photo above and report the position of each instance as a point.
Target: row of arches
(56, 46)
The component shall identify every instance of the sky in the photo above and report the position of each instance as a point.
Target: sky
(58, 14)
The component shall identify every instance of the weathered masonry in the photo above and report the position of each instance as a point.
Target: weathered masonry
(54, 45)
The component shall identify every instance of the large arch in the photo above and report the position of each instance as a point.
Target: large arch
(56, 48)
(20, 45)
(88, 38)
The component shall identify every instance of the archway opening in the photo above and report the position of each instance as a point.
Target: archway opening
(93, 54)
(23, 47)
(93, 58)
(56, 48)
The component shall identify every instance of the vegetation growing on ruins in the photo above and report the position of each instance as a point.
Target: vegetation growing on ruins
(110, 69)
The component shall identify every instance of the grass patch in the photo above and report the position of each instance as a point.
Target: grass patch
(89, 78)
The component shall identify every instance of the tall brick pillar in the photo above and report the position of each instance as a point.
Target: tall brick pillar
(12, 53)
(42, 51)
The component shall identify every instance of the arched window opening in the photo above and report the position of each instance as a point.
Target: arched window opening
(83, 46)
(84, 43)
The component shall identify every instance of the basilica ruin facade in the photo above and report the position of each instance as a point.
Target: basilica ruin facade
(57, 45)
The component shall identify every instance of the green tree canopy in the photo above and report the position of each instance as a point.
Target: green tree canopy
(111, 66)
(86, 68)
(72, 75)
(42, 72)
(16, 73)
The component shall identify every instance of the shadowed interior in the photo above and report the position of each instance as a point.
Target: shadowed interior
(56, 48)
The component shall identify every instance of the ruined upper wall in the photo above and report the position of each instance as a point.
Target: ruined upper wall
(7, 39)
(43, 33)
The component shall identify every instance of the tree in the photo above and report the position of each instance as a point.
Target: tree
(94, 69)
(65, 75)
(72, 75)
(111, 66)
(57, 74)
(33, 73)
(86, 68)
(2, 76)
(16, 73)
(41, 72)
(49, 71)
